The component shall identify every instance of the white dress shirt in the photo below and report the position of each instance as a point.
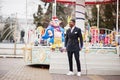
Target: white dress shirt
(72, 29)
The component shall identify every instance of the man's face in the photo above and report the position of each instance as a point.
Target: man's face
(71, 24)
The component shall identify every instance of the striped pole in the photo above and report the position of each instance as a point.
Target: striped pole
(80, 14)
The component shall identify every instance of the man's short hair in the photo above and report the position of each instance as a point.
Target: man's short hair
(73, 20)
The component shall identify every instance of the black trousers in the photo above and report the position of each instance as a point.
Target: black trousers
(70, 59)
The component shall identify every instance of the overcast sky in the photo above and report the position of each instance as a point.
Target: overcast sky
(19, 6)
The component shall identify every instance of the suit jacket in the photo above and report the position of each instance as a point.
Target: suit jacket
(74, 40)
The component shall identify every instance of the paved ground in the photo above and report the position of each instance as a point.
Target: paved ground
(16, 69)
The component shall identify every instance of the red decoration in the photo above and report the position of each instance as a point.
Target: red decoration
(54, 17)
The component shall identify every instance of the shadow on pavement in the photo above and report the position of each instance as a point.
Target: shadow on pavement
(39, 66)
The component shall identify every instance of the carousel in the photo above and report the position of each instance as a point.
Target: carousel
(98, 48)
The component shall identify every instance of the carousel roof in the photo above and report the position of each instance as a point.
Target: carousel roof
(98, 1)
(86, 1)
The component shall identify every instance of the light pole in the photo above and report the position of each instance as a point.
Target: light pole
(15, 36)
(26, 26)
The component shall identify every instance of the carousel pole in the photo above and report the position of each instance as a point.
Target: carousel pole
(80, 14)
(80, 19)
(98, 20)
(54, 8)
(98, 9)
(117, 17)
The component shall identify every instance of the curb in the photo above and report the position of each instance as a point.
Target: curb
(11, 56)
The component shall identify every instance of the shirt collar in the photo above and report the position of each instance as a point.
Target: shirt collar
(72, 28)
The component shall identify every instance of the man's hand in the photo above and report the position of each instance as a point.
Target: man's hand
(65, 49)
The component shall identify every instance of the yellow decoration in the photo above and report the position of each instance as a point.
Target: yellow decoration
(27, 50)
(41, 30)
(57, 43)
(69, 18)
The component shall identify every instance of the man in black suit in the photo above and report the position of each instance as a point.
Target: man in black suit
(73, 44)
